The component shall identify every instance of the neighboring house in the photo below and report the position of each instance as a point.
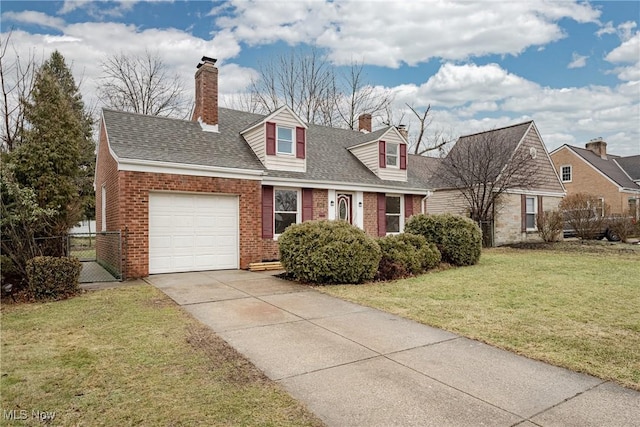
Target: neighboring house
(613, 179)
(517, 209)
(217, 191)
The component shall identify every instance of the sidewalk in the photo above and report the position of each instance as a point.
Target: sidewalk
(356, 366)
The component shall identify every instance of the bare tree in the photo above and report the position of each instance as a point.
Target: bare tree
(303, 81)
(484, 166)
(422, 145)
(16, 78)
(357, 97)
(311, 87)
(142, 84)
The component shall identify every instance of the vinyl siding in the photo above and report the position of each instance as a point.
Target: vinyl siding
(368, 155)
(544, 166)
(286, 162)
(447, 201)
(256, 140)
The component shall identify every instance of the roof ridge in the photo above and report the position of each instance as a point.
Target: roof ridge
(132, 113)
(497, 129)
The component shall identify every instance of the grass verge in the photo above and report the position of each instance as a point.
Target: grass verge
(573, 309)
(129, 356)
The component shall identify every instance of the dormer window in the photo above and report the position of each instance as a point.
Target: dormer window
(391, 155)
(285, 140)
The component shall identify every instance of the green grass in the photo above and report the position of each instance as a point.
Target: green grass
(129, 356)
(578, 310)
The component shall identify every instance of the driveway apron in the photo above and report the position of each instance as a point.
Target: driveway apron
(357, 366)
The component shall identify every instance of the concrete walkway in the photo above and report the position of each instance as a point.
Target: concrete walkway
(356, 366)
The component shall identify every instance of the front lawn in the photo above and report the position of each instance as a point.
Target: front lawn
(578, 309)
(130, 356)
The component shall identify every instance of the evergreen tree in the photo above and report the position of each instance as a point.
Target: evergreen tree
(55, 158)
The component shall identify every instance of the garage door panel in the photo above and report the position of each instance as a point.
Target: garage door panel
(192, 232)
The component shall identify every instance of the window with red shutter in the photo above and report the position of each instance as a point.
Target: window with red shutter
(408, 205)
(382, 214)
(307, 204)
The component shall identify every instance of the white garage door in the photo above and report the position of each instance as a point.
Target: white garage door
(192, 232)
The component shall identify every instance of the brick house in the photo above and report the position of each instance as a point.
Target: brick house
(615, 180)
(516, 211)
(215, 192)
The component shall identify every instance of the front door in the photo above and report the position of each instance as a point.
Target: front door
(343, 208)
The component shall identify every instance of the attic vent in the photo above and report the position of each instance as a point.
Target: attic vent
(533, 152)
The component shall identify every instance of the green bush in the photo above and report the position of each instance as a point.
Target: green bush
(53, 278)
(328, 252)
(404, 255)
(458, 239)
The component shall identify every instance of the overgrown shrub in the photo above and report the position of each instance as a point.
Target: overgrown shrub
(458, 239)
(585, 214)
(550, 225)
(328, 252)
(53, 278)
(622, 226)
(404, 255)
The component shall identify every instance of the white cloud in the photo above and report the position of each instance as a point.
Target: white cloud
(577, 60)
(392, 33)
(34, 18)
(627, 52)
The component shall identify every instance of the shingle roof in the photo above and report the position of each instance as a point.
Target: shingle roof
(609, 167)
(508, 136)
(135, 136)
(631, 166)
(141, 137)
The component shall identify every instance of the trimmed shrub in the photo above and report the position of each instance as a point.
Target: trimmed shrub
(550, 225)
(405, 255)
(458, 239)
(53, 278)
(328, 252)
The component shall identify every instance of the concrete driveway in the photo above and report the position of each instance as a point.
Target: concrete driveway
(356, 366)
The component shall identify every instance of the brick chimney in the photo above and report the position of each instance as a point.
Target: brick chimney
(206, 108)
(598, 146)
(402, 129)
(364, 122)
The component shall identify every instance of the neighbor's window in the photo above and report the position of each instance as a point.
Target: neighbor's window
(600, 206)
(633, 207)
(392, 155)
(531, 210)
(285, 209)
(285, 140)
(393, 214)
(565, 172)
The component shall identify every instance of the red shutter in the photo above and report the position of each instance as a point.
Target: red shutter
(382, 214)
(271, 139)
(300, 142)
(408, 205)
(523, 205)
(267, 212)
(382, 148)
(403, 156)
(307, 204)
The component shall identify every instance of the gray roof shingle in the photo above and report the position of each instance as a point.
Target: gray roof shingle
(631, 166)
(135, 136)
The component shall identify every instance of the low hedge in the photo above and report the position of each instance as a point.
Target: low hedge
(459, 239)
(326, 252)
(405, 255)
(53, 278)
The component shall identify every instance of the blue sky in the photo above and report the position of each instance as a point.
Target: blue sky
(573, 67)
